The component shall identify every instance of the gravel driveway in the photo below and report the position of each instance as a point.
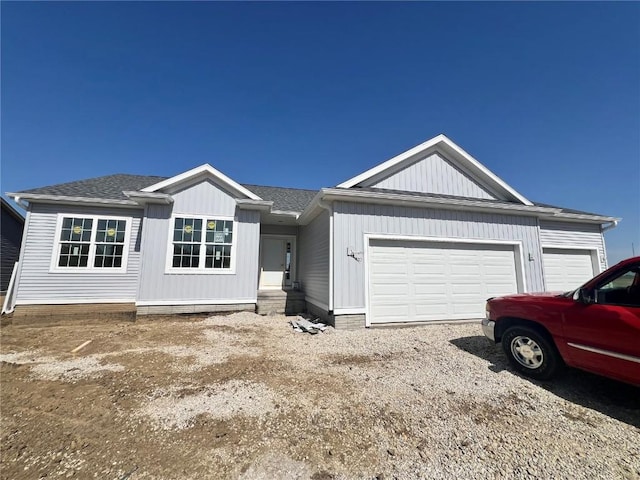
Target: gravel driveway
(243, 396)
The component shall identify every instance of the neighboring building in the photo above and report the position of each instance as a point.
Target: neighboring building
(428, 235)
(11, 226)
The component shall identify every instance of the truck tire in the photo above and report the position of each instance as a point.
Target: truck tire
(531, 353)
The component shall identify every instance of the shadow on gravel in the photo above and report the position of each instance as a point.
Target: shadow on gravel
(614, 399)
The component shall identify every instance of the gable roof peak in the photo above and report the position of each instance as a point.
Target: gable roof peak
(444, 144)
(194, 172)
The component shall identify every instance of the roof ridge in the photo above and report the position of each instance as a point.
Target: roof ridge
(282, 188)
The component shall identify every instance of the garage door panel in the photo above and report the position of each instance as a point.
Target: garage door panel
(390, 290)
(460, 290)
(426, 269)
(439, 281)
(566, 269)
(432, 311)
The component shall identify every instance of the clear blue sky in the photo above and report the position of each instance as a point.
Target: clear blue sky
(547, 95)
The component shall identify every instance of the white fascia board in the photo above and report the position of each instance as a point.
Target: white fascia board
(460, 155)
(447, 203)
(312, 209)
(64, 199)
(581, 217)
(149, 197)
(391, 162)
(254, 204)
(206, 169)
(286, 213)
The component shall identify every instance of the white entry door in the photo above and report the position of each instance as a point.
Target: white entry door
(276, 258)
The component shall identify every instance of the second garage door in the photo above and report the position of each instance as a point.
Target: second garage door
(416, 281)
(566, 269)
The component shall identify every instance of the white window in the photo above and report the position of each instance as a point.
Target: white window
(90, 243)
(201, 244)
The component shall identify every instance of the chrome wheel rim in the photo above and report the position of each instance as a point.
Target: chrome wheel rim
(527, 352)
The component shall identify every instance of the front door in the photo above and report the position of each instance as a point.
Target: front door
(276, 256)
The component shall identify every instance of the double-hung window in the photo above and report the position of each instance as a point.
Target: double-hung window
(202, 244)
(91, 243)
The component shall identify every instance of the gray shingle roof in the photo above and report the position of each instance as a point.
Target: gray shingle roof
(286, 199)
(111, 187)
(108, 187)
(484, 200)
(567, 210)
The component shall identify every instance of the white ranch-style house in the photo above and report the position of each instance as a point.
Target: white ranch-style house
(426, 236)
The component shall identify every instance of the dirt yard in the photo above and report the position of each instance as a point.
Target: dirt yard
(243, 396)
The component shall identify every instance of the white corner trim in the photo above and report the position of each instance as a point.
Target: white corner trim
(460, 155)
(211, 301)
(208, 169)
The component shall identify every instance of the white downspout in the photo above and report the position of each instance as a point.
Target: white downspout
(613, 224)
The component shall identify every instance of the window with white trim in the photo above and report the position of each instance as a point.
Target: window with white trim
(91, 242)
(202, 243)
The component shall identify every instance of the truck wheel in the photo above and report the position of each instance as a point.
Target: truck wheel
(531, 353)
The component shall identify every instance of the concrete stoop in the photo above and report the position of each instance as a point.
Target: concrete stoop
(280, 301)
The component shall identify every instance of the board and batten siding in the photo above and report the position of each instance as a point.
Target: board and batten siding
(201, 199)
(38, 285)
(353, 220)
(574, 235)
(313, 270)
(432, 174)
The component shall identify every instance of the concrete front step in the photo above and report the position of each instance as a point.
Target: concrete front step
(280, 301)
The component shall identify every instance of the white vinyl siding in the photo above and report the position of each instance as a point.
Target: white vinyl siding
(574, 235)
(206, 200)
(432, 174)
(566, 269)
(353, 220)
(417, 281)
(313, 270)
(38, 283)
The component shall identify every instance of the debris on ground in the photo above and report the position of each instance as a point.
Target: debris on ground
(304, 325)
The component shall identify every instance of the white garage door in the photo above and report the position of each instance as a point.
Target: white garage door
(415, 281)
(566, 269)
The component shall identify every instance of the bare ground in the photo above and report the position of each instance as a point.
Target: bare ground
(243, 396)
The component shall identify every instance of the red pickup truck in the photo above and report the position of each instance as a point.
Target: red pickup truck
(594, 328)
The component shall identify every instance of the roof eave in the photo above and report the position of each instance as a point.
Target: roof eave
(581, 217)
(262, 205)
(64, 199)
(144, 198)
(448, 203)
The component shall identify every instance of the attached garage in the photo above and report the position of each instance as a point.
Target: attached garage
(428, 280)
(566, 269)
